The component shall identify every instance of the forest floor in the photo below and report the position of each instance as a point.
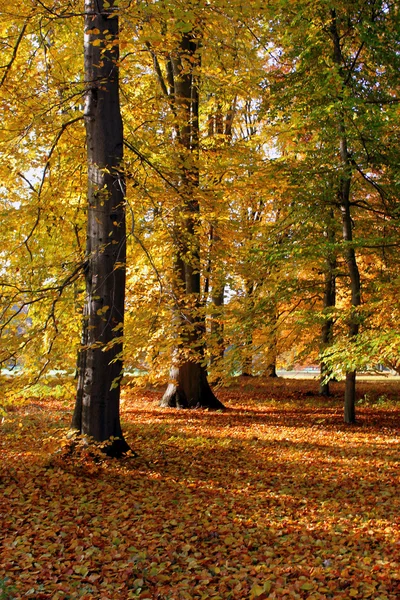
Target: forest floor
(273, 498)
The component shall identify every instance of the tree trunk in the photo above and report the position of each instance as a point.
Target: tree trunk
(349, 398)
(271, 370)
(188, 385)
(189, 388)
(329, 302)
(247, 344)
(217, 125)
(347, 228)
(355, 286)
(217, 301)
(217, 328)
(272, 350)
(100, 362)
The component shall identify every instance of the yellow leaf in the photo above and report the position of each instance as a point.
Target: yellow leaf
(307, 586)
(267, 586)
(81, 570)
(229, 540)
(103, 310)
(256, 591)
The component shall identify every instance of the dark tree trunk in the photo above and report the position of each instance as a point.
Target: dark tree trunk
(329, 302)
(100, 363)
(355, 286)
(271, 370)
(272, 351)
(189, 388)
(347, 228)
(188, 385)
(349, 398)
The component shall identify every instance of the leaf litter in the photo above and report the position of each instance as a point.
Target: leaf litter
(273, 498)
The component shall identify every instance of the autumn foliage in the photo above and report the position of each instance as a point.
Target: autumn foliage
(202, 189)
(273, 498)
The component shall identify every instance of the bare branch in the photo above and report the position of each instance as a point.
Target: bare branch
(144, 159)
(64, 126)
(8, 66)
(157, 69)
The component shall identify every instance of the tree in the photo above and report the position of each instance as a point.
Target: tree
(41, 173)
(100, 358)
(188, 385)
(344, 200)
(329, 301)
(333, 95)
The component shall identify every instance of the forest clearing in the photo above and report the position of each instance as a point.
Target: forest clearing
(274, 497)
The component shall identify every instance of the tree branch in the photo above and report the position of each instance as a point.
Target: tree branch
(8, 66)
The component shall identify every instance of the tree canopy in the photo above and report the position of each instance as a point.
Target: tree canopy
(261, 187)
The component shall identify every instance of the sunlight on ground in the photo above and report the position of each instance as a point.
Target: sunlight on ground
(273, 498)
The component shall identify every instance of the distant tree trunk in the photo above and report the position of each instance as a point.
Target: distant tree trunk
(221, 126)
(251, 279)
(247, 343)
(217, 297)
(100, 363)
(329, 302)
(188, 385)
(217, 328)
(270, 370)
(347, 228)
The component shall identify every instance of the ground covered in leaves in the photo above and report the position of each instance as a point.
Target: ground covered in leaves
(273, 498)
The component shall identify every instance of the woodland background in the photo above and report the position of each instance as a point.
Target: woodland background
(295, 102)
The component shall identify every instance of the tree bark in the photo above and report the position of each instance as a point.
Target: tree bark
(188, 385)
(96, 412)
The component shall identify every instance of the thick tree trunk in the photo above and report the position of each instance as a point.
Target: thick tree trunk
(189, 388)
(100, 364)
(270, 371)
(188, 385)
(347, 228)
